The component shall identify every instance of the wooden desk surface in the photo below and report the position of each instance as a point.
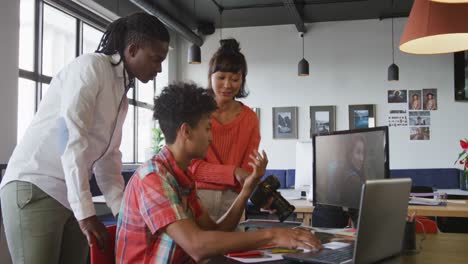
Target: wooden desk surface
(436, 248)
(441, 248)
(454, 208)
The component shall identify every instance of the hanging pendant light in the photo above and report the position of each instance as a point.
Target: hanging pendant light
(393, 71)
(303, 66)
(435, 28)
(194, 52)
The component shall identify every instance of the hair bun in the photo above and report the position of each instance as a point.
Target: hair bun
(229, 45)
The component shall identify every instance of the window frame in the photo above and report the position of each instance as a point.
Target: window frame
(82, 16)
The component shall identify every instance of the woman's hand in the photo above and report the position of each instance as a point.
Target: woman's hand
(294, 238)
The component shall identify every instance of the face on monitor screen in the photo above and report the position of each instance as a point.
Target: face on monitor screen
(343, 161)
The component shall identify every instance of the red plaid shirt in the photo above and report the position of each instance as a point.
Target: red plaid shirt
(158, 194)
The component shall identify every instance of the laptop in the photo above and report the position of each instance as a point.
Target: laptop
(381, 225)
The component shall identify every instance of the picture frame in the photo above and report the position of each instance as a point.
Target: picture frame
(322, 119)
(285, 122)
(461, 76)
(361, 116)
(257, 111)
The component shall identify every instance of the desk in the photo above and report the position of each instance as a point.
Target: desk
(454, 208)
(437, 248)
(303, 211)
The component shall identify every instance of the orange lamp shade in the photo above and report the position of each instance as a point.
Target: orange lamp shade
(435, 28)
(451, 1)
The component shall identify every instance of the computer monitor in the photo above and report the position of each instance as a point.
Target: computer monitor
(344, 160)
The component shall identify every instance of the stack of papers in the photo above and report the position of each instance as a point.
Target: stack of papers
(424, 201)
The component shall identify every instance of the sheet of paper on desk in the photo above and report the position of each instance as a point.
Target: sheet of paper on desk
(423, 201)
(335, 245)
(265, 258)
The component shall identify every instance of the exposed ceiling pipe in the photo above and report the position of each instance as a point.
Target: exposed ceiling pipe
(170, 22)
(295, 15)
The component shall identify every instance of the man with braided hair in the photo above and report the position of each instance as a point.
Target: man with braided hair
(47, 206)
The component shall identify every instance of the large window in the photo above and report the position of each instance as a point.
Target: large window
(51, 36)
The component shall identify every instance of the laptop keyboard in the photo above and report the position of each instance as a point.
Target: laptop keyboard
(337, 255)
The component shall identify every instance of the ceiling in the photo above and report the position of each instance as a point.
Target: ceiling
(249, 13)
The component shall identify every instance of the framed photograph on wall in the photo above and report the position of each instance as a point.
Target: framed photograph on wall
(461, 75)
(322, 119)
(361, 116)
(284, 122)
(257, 111)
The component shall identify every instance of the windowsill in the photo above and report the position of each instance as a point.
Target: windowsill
(130, 166)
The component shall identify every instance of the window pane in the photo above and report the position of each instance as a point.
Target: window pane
(26, 102)
(146, 92)
(26, 35)
(59, 40)
(126, 147)
(91, 38)
(130, 93)
(45, 86)
(162, 80)
(145, 124)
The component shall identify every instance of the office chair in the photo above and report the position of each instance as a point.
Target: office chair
(108, 257)
(426, 225)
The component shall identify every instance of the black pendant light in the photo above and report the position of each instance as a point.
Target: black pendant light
(303, 66)
(194, 52)
(393, 71)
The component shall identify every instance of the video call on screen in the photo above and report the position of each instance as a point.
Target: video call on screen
(343, 162)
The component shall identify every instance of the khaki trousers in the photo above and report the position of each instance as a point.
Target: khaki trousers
(217, 202)
(39, 229)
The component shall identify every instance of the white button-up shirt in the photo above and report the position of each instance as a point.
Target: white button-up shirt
(77, 130)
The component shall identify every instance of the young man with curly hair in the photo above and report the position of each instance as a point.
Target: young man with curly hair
(161, 219)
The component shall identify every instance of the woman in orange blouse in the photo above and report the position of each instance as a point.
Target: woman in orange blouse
(219, 177)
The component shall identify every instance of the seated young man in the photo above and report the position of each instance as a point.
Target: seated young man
(161, 219)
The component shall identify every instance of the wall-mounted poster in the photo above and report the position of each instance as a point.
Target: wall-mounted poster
(419, 118)
(397, 118)
(415, 100)
(284, 122)
(420, 133)
(430, 99)
(322, 119)
(361, 116)
(397, 96)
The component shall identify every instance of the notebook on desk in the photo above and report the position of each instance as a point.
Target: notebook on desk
(382, 214)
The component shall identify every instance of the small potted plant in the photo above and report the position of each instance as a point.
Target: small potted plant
(463, 159)
(158, 140)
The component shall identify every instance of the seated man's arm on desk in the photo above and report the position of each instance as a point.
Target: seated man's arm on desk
(204, 238)
(201, 244)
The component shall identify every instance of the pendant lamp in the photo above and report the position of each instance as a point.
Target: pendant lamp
(451, 1)
(303, 66)
(435, 28)
(194, 52)
(393, 71)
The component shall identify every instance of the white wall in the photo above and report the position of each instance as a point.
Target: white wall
(9, 33)
(348, 65)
